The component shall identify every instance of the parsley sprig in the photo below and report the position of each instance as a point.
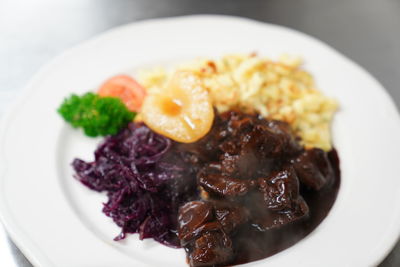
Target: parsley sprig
(98, 116)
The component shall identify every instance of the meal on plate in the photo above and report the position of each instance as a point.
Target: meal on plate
(230, 159)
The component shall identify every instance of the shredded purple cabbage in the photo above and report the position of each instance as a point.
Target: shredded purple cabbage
(145, 184)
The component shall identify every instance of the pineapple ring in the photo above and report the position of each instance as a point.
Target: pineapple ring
(182, 111)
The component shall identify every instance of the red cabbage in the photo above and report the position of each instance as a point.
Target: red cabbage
(145, 182)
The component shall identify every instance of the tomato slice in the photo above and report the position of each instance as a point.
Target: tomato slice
(127, 89)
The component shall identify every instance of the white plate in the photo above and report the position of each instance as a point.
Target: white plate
(57, 222)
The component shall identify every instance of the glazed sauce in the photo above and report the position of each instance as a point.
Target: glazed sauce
(252, 245)
(261, 191)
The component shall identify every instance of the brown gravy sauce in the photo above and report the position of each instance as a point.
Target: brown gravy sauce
(252, 245)
(261, 191)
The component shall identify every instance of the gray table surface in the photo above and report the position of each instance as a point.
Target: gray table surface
(33, 32)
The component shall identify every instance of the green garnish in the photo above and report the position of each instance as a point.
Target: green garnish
(96, 115)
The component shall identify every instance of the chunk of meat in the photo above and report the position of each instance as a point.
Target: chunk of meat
(212, 248)
(248, 132)
(221, 185)
(288, 146)
(244, 164)
(229, 147)
(230, 215)
(192, 216)
(205, 236)
(277, 202)
(268, 220)
(313, 168)
(229, 164)
(269, 139)
(280, 189)
(198, 217)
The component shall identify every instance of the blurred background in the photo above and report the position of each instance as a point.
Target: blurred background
(34, 31)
